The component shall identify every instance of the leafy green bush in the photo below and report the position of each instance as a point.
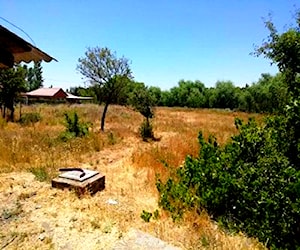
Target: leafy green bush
(146, 130)
(74, 128)
(30, 118)
(248, 185)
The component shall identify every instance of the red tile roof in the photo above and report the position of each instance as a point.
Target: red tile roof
(54, 93)
(47, 92)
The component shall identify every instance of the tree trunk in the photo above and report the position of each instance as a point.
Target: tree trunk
(4, 112)
(12, 114)
(103, 115)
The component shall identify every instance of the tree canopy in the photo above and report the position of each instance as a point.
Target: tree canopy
(108, 73)
(33, 75)
(284, 50)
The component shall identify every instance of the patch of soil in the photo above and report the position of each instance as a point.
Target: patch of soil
(35, 216)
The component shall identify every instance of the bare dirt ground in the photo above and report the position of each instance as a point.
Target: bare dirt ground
(34, 215)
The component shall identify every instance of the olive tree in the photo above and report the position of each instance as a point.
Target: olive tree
(107, 72)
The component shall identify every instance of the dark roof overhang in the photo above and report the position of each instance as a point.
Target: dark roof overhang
(14, 49)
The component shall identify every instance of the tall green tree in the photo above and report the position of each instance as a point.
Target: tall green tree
(107, 72)
(12, 82)
(284, 51)
(34, 76)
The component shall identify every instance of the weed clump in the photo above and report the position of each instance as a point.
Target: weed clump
(40, 173)
(146, 216)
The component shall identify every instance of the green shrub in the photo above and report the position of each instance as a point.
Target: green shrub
(74, 128)
(249, 185)
(66, 136)
(146, 130)
(30, 118)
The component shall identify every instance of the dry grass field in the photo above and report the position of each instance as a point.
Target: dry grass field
(35, 216)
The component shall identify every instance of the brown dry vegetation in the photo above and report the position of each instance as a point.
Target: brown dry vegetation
(33, 215)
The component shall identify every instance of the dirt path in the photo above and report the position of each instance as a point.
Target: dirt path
(36, 216)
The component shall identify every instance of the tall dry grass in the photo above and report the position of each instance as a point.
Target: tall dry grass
(38, 145)
(35, 147)
(177, 130)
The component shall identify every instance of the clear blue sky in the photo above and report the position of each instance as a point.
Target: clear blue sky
(166, 40)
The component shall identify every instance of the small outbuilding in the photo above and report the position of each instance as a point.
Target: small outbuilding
(76, 99)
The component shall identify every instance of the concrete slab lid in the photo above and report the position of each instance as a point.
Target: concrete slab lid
(75, 174)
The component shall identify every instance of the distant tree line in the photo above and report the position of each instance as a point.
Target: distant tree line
(267, 95)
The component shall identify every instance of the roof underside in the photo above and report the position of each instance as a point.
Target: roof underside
(13, 49)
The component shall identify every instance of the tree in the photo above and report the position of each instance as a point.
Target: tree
(34, 79)
(188, 93)
(284, 51)
(156, 94)
(225, 95)
(12, 82)
(107, 72)
(142, 101)
(246, 100)
(269, 94)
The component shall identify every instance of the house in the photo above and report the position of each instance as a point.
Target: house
(53, 95)
(47, 93)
